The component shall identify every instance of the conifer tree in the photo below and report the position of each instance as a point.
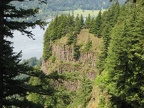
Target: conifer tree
(70, 22)
(76, 53)
(97, 27)
(82, 21)
(124, 71)
(92, 25)
(88, 21)
(13, 89)
(77, 24)
(109, 19)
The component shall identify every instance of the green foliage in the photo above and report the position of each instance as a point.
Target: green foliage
(109, 19)
(14, 76)
(88, 45)
(121, 61)
(82, 96)
(44, 89)
(76, 53)
(79, 22)
(60, 26)
(71, 38)
(52, 58)
(60, 96)
(86, 89)
(95, 26)
(102, 102)
(35, 98)
(33, 61)
(123, 71)
(88, 21)
(47, 45)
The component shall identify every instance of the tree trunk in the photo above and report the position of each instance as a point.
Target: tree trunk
(1, 50)
(134, 1)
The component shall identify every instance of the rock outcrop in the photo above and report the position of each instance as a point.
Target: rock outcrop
(62, 59)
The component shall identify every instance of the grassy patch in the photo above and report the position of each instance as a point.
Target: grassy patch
(62, 41)
(83, 37)
(85, 13)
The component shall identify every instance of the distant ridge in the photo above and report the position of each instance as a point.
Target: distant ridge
(65, 5)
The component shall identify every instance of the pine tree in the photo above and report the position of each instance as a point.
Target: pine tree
(97, 26)
(77, 24)
(92, 25)
(88, 21)
(82, 21)
(76, 53)
(109, 19)
(71, 38)
(70, 23)
(13, 89)
(124, 65)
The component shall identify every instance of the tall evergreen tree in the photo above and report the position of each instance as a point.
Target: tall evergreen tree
(92, 25)
(109, 19)
(124, 71)
(88, 21)
(82, 21)
(96, 25)
(77, 24)
(13, 89)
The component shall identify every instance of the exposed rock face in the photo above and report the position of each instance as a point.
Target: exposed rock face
(62, 60)
(64, 55)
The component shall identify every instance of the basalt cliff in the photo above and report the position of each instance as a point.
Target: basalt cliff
(71, 56)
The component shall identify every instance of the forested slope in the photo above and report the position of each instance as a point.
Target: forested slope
(120, 64)
(70, 53)
(96, 63)
(122, 61)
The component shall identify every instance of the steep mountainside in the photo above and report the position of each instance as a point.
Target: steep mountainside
(70, 55)
(63, 54)
(79, 73)
(112, 80)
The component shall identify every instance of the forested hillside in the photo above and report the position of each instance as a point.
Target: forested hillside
(93, 63)
(118, 64)
(70, 53)
(122, 71)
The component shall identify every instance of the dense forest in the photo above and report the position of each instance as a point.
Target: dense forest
(121, 61)
(92, 63)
